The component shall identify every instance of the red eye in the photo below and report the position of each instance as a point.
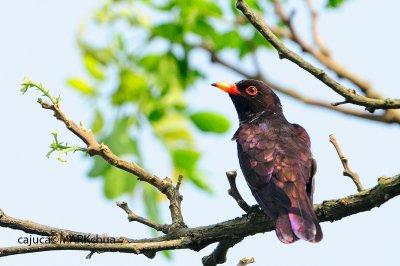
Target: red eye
(251, 90)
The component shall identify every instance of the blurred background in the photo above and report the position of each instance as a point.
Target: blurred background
(139, 73)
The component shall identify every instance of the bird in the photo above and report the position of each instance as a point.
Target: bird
(276, 160)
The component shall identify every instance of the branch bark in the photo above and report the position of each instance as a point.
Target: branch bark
(165, 186)
(218, 256)
(133, 217)
(199, 237)
(389, 117)
(177, 235)
(345, 162)
(284, 53)
(234, 192)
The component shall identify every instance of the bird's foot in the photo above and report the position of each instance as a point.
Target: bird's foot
(255, 209)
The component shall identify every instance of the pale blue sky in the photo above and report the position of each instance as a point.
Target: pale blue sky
(38, 40)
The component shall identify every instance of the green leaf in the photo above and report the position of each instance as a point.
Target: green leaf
(185, 158)
(120, 141)
(118, 182)
(199, 180)
(150, 195)
(208, 7)
(259, 40)
(334, 3)
(93, 66)
(170, 31)
(156, 114)
(185, 163)
(172, 129)
(252, 3)
(230, 39)
(99, 167)
(81, 86)
(210, 122)
(98, 122)
(131, 87)
(167, 254)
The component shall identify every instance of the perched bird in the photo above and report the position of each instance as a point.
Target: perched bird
(276, 160)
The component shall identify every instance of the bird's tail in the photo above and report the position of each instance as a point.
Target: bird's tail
(300, 219)
(292, 210)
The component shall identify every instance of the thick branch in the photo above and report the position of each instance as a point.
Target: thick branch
(322, 55)
(136, 248)
(44, 230)
(200, 237)
(350, 95)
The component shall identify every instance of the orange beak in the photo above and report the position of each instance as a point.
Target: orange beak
(228, 87)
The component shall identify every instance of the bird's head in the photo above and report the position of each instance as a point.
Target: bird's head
(252, 99)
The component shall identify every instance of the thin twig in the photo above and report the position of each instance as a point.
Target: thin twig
(318, 73)
(179, 182)
(91, 253)
(323, 57)
(347, 171)
(234, 192)
(133, 217)
(287, 20)
(216, 59)
(314, 28)
(246, 261)
(218, 256)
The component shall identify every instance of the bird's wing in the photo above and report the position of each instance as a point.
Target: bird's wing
(256, 154)
(279, 169)
(312, 164)
(294, 171)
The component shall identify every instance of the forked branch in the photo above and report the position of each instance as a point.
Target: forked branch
(176, 235)
(346, 168)
(350, 95)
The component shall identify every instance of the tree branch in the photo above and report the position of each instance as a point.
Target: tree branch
(177, 235)
(199, 237)
(322, 55)
(133, 217)
(346, 171)
(218, 256)
(314, 28)
(246, 261)
(389, 117)
(350, 95)
(165, 185)
(234, 192)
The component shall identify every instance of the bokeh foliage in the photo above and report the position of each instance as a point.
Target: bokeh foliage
(138, 57)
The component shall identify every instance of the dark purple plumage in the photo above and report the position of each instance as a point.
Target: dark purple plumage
(276, 160)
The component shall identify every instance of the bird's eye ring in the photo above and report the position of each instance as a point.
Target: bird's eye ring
(251, 90)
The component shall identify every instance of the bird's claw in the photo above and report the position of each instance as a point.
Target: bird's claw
(255, 209)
